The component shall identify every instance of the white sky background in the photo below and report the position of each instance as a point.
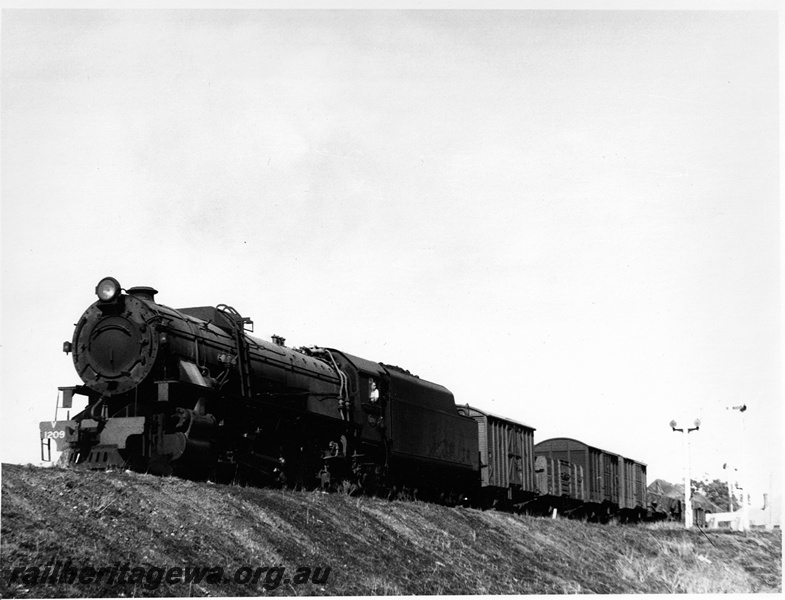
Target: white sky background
(570, 218)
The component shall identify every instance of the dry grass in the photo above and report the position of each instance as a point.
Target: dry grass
(373, 547)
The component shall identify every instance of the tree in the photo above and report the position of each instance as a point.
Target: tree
(717, 493)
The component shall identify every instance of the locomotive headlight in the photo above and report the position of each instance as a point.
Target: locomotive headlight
(107, 289)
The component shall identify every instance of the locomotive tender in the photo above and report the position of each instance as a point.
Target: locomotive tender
(189, 392)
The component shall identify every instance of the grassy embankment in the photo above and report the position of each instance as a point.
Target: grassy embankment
(371, 546)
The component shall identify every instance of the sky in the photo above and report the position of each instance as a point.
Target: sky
(566, 217)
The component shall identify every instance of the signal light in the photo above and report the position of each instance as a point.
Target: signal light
(107, 289)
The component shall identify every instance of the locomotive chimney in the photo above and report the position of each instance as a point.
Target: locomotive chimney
(143, 293)
(278, 340)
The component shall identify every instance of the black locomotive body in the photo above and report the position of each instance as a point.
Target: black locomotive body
(189, 392)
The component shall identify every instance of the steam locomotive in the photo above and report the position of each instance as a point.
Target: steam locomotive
(189, 392)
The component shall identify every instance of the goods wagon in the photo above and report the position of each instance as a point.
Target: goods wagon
(506, 451)
(613, 484)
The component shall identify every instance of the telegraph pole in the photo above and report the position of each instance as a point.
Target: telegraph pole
(685, 445)
(745, 513)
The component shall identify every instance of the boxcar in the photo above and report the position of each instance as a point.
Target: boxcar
(612, 482)
(506, 451)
